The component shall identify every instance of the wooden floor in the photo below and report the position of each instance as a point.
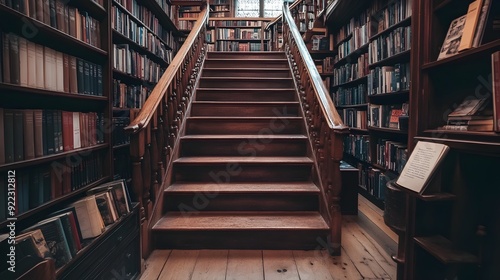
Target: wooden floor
(362, 258)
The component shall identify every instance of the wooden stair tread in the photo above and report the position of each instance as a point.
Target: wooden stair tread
(244, 137)
(247, 89)
(242, 220)
(246, 59)
(227, 118)
(247, 102)
(246, 69)
(247, 78)
(244, 187)
(242, 159)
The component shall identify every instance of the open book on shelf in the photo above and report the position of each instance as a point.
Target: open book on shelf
(422, 165)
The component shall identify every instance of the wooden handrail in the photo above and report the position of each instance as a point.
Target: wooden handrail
(332, 116)
(158, 92)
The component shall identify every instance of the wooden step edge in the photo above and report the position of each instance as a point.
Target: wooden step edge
(246, 78)
(241, 118)
(244, 137)
(241, 220)
(243, 160)
(247, 89)
(246, 102)
(247, 69)
(243, 188)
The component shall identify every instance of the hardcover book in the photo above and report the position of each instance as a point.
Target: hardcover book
(453, 38)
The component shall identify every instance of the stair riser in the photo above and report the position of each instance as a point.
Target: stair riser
(246, 55)
(236, 172)
(240, 202)
(243, 110)
(246, 73)
(258, 127)
(266, 239)
(255, 63)
(243, 147)
(245, 83)
(236, 95)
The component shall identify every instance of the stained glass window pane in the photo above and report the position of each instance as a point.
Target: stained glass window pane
(247, 8)
(272, 8)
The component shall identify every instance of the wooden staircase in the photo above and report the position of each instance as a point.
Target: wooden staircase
(243, 176)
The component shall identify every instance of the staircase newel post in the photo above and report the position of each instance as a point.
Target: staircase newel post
(154, 157)
(137, 146)
(146, 171)
(336, 153)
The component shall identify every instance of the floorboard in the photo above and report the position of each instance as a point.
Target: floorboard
(362, 258)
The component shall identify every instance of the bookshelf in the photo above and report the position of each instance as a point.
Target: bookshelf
(63, 96)
(370, 86)
(221, 8)
(461, 242)
(238, 34)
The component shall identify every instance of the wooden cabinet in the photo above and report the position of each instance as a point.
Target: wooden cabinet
(454, 231)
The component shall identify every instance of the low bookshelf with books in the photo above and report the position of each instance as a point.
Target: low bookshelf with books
(67, 234)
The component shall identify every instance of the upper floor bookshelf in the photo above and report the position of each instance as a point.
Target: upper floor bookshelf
(238, 34)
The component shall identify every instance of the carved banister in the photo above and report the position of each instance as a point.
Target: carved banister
(324, 125)
(154, 130)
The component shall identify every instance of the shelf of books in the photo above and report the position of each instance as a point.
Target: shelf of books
(143, 46)
(237, 34)
(72, 74)
(221, 8)
(455, 71)
(370, 87)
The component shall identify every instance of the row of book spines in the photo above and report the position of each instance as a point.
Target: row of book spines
(387, 79)
(119, 135)
(394, 13)
(242, 23)
(129, 96)
(391, 155)
(136, 64)
(373, 180)
(42, 184)
(145, 39)
(124, 24)
(350, 96)
(389, 45)
(360, 37)
(29, 64)
(358, 146)
(349, 72)
(237, 46)
(386, 116)
(67, 19)
(145, 16)
(185, 24)
(33, 133)
(357, 21)
(354, 118)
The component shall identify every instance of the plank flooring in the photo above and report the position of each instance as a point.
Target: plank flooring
(362, 258)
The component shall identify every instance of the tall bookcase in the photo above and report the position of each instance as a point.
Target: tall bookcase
(370, 87)
(59, 66)
(144, 43)
(239, 34)
(454, 229)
